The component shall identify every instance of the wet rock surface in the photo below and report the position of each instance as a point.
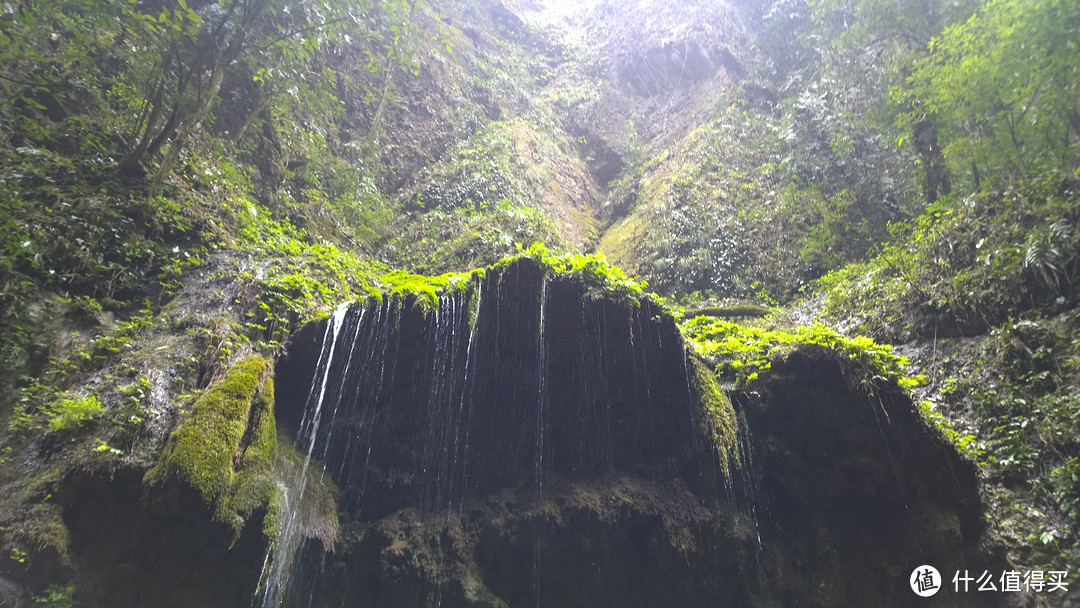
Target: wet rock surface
(859, 490)
(509, 465)
(155, 550)
(531, 442)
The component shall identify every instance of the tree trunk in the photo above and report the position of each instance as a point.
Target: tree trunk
(188, 125)
(936, 173)
(260, 105)
(133, 162)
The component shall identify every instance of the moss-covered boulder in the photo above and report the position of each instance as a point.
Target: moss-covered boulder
(226, 447)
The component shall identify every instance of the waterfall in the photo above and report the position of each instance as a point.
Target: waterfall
(756, 503)
(274, 576)
(511, 387)
(541, 397)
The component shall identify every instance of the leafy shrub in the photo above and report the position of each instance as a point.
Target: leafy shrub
(56, 596)
(969, 263)
(591, 269)
(70, 413)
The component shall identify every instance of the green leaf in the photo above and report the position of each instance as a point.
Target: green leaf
(33, 103)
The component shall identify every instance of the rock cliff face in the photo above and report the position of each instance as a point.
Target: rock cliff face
(523, 437)
(526, 439)
(858, 490)
(528, 444)
(542, 126)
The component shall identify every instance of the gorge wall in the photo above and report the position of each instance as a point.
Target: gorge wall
(524, 436)
(176, 432)
(527, 442)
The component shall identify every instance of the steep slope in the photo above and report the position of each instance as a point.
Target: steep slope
(183, 211)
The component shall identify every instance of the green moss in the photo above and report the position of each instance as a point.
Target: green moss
(275, 511)
(318, 506)
(719, 415)
(623, 240)
(593, 270)
(226, 448)
(253, 485)
(424, 290)
(743, 353)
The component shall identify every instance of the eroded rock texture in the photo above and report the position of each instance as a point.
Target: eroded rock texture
(531, 441)
(528, 444)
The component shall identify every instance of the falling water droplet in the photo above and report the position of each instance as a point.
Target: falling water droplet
(274, 577)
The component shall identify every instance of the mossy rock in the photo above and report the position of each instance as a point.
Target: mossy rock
(719, 414)
(424, 291)
(226, 448)
(729, 311)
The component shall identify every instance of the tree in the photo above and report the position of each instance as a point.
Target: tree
(848, 179)
(1005, 89)
(163, 62)
(890, 36)
(46, 45)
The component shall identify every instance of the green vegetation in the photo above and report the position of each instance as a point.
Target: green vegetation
(56, 413)
(720, 422)
(56, 596)
(1002, 88)
(591, 269)
(496, 187)
(693, 223)
(742, 353)
(140, 140)
(185, 184)
(732, 310)
(468, 237)
(479, 171)
(983, 96)
(207, 451)
(425, 290)
(963, 263)
(1023, 391)
(46, 403)
(69, 414)
(254, 483)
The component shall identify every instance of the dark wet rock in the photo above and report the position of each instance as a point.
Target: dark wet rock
(604, 162)
(859, 490)
(160, 550)
(12, 595)
(459, 490)
(552, 444)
